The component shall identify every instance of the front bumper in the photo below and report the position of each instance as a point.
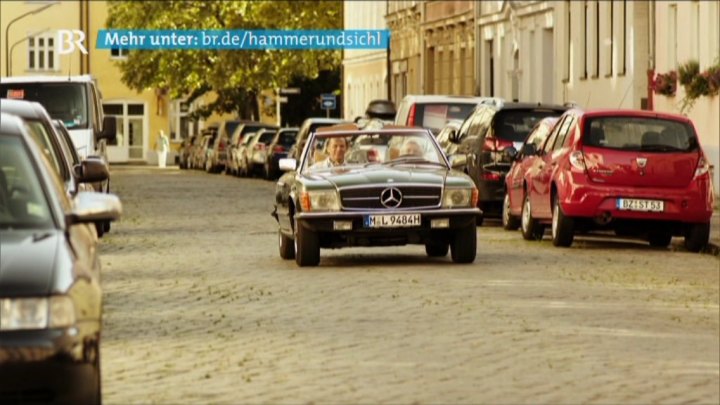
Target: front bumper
(324, 223)
(44, 366)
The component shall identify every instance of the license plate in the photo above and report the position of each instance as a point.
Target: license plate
(392, 221)
(632, 204)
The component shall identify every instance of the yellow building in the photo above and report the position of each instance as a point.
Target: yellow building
(30, 47)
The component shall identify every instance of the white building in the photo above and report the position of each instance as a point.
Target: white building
(365, 72)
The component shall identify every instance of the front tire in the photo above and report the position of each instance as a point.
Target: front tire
(463, 247)
(697, 237)
(562, 226)
(307, 247)
(531, 229)
(510, 222)
(286, 246)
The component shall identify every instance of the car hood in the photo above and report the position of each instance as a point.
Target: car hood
(28, 261)
(347, 177)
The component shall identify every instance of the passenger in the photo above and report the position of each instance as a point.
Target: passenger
(335, 149)
(411, 147)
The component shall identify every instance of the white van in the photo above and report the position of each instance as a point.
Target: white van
(75, 100)
(434, 111)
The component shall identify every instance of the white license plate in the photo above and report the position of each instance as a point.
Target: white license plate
(632, 204)
(392, 221)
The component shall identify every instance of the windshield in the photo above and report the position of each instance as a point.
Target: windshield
(640, 134)
(64, 101)
(22, 201)
(287, 138)
(328, 151)
(40, 135)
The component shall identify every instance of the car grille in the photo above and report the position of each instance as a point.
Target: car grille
(413, 197)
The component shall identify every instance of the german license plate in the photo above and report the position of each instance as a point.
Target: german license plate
(632, 204)
(391, 221)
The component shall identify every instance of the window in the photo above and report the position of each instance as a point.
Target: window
(563, 133)
(586, 48)
(568, 36)
(609, 43)
(672, 36)
(623, 49)
(41, 53)
(119, 53)
(596, 40)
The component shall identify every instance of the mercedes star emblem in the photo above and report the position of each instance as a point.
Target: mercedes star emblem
(391, 197)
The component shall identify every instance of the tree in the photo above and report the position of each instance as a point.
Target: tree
(236, 76)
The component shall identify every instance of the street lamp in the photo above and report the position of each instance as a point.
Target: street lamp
(7, 32)
(12, 47)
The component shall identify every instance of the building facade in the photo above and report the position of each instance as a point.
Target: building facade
(365, 72)
(406, 47)
(685, 31)
(30, 47)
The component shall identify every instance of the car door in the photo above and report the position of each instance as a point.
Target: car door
(550, 163)
(516, 176)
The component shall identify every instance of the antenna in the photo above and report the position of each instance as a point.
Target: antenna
(587, 103)
(626, 93)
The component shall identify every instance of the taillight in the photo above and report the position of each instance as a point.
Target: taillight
(222, 145)
(411, 116)
(492, 176)
(703, 166)
(577, 160)
(259, 146)
(496, 144)
(278, 149)
(372, 155)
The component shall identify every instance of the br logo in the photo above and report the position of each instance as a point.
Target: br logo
(68, 40)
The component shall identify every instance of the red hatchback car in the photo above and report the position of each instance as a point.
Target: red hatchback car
(640, 173)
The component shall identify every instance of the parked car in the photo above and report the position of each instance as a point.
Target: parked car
(241, 154)
(49, 141)
(433, 111)
(483, 137)
(277, 149)
(309, 126)
(185, 152)
(254, 159)
(522, 161)
(202, 151)
(239, 140)
(403, 195)
(50, 293)
(221, 146)
(642, 173)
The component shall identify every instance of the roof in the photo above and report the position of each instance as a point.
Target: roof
(54, 79)
(22, 108)
(439, 98)
(626, 112)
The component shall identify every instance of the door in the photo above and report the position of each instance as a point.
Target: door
(131, 143)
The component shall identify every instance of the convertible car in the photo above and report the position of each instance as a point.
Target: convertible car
(375, 185)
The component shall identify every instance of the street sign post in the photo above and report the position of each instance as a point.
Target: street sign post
(328, 102)
(290, 90)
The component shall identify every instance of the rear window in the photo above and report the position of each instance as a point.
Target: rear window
(435, 116)
(515, 125)
(266, 137)
(639, 134)
(287, 138)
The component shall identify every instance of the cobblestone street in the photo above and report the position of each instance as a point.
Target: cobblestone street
(200, 308)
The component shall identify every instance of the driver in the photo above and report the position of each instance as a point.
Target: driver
(335, 148)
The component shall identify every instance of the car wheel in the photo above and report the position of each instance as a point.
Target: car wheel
(92, 390)
(697, 237)
(266, 169)
(100, 228)
(307, 247)
(437, 249)
(562, 226)
(659, 239)
(286, 245)
(510, 222)
(463, 247)
(531, 229)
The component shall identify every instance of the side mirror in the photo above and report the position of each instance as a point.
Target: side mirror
(287, 164)
(529, 149)
(454, 137)
(510, 153)
(109, 130)
(458, 161)
(90, 206)
(91, 170)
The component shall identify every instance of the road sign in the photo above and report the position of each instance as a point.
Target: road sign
(327, 101)
(283, 99)
(290, 90)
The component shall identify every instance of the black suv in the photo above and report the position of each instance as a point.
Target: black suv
(483, 137)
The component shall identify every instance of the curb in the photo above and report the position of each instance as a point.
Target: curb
(711, 249)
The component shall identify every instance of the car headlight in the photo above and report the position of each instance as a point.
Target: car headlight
(36, 313)
(320, 201)
(460, 198)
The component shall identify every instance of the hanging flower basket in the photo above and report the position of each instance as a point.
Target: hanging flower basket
(666, 83)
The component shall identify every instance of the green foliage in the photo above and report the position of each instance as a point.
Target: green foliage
(688, 71)
(698, 84)
(236, 75)
(666, 83)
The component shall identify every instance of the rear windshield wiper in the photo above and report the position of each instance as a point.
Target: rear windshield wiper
(661, 148)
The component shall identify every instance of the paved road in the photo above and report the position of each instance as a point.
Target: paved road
(199, 308)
